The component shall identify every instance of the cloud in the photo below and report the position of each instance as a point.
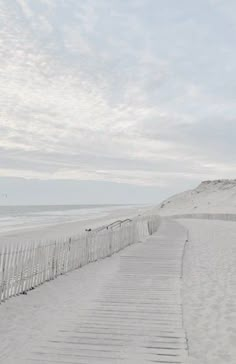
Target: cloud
(138, 92)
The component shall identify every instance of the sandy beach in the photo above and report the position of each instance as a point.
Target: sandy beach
(190, 270)
(43, 232)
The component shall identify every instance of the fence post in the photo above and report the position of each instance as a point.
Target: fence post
(3, 275)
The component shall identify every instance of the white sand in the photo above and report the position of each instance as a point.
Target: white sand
(209, 293)
(209, 197)
(209, 285)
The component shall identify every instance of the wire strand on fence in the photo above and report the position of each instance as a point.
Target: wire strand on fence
(25, 267)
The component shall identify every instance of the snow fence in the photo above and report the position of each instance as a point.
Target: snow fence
(26, 266)
(206, 216)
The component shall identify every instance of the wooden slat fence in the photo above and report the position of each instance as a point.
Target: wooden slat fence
(24, 267)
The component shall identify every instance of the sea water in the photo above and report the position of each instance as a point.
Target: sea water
(23, 217)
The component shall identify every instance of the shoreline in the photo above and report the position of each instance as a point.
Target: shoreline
(60, 230)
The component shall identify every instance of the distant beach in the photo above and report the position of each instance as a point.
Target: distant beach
(27, 223)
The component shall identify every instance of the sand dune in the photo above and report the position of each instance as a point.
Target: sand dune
(209, 197)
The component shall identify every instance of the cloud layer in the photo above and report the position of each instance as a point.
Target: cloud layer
(136, 91)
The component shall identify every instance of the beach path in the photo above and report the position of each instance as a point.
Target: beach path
(123, 309)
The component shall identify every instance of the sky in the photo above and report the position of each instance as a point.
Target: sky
(135, 98)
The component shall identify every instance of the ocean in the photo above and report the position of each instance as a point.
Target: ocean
(24, 217)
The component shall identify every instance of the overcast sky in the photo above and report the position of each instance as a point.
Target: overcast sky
(135, 96)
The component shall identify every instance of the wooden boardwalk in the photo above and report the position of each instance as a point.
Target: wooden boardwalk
(135, 318)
